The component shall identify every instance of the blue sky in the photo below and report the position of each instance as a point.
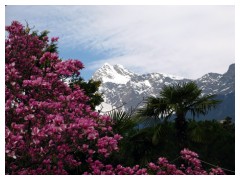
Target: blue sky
(187, 41)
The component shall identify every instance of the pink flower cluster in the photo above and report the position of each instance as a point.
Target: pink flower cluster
(67, 68)
(194, 164)
(108, 144)
(162, 167)
(48, 124)
(49, 127)
(98, 168)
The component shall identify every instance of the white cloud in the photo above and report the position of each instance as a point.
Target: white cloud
(187, 41)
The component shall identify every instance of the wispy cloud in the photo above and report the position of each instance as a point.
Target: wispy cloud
(187, 41)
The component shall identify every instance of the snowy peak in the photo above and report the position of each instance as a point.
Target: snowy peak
(218, 83)
(172, 76)
(125, 89)
(123, 71)
(106, 67)
(115, 74)
(120, 75)
(210, 77)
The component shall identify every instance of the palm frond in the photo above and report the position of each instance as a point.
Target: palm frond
(123, 122)
(203, 105)
(155, 107)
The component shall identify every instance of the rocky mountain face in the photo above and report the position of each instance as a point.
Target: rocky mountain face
(218, 83)
(126, 89)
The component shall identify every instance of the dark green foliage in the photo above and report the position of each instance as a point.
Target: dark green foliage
(178, 100)
(139, 145)
(91, 90)
(124, 123)
(150, 135)
(212, 140)
(51, 47)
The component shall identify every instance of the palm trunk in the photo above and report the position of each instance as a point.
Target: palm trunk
(181, 126)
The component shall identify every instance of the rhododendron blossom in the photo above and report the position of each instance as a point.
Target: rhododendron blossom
(49, 128)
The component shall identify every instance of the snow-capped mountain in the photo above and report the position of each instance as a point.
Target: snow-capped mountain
(127, 89)
(115, 74)
(218, 83)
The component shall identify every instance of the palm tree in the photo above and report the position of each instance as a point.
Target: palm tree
(178, 100)
(123, 122)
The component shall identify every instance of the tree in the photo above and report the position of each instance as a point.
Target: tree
(178, 100)
(91, 90)
(49, 127)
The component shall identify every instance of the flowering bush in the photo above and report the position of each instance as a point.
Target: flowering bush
(191, 166)
(49, 127)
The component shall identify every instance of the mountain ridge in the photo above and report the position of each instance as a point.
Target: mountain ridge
(121, 86)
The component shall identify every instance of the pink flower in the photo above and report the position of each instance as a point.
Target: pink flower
(54, 39)
(29, 117)
(35, 131)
